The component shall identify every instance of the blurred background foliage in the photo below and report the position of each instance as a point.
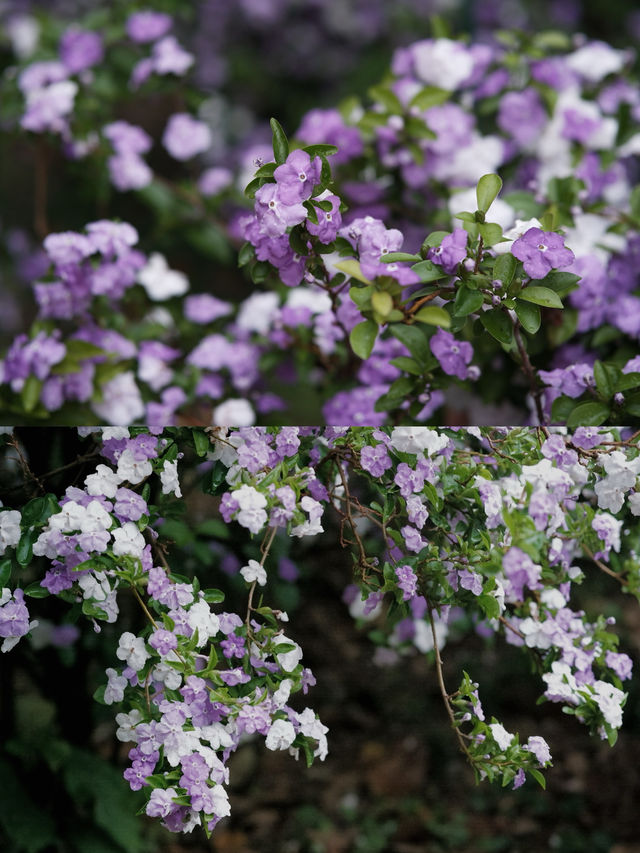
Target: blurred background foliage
(393, 781)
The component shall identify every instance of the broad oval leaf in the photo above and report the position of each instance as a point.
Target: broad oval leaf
(434, 316)
(363, 337)
(414, 339)
(488, 188)
(541, 296)
(352, 268)
(529, 316)
(498, 324)
(588, 414)
(467, 301)
(382, 302)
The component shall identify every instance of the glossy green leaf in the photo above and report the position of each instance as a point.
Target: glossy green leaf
(382, 302)
(363, 337)
(467, 301)
(280, 141)
(588, 414)
(414, 340)
(529, 315)
(487, 190)
(434, 315)
(429, 271)
(498, 324)
(351, 267)
(504, 269)
(541, 296)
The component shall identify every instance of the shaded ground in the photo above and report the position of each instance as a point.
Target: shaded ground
(393, 780)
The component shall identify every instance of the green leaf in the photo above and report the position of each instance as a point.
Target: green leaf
(5, 572)
(529, 315)
(266, 171)
(430, 96)
(321, 149)
(30, 393)
(351, 267)
(607, 377)
(488, 188)
(562, 282)
(280, 141)
(217, 479)
(434, 315)
(382, 302)
(246, 254)
(409, 365)
(434, 239)
(467, 301)
(213, 596)
(362, 296)
(429, 271)
(393, 257)
(34, 590)
(588, 414)
(24, 551)
(490, 233)
(389, 100)
(363, 337)
(396, 395)
(541, 296)
(252, 187)
(414, 339)
(504, 269)
(561, 408)
(498, 324)
(201, 442)
(489, 605)
(537, 775)
(628, 381)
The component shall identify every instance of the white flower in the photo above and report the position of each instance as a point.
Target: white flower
(69, 518)
(103, 482)
(442, 62)
(126, 731)
(288, 660)
(132, 650)
(166, 674)
(501, 736)
(634, 503)
(202, 620)
(128, 540)
(121, 400)
(596, 60)
(418, 440)
(234, 412)
(9, 529)
(281, 735)
(159, 281)
(256, 313)
(114, 691)
(169, 479)
(254, 572)
(132, 469)
(251, 505)
(95, 518)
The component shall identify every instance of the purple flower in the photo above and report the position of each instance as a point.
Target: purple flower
(274, 217)
(541, 251)
(375, 459)
(185, 136)
(327, 126)
(297, 177)
(413, 540)
(522, 116)
(453, 355)
(148, 25)
(407, 581)
(127, 138)
(451, 251)
(163, 641)
(329, 221)
(81, 49)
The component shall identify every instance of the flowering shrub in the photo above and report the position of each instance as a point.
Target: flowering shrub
(453, 533)
(463, 240)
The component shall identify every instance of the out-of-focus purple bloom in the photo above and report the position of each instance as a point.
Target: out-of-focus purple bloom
(541, 251)
(81, 49)
(328, 127)
(214, 181)
(522, 116)
(185, 136)
(203, 308)
(147, 25)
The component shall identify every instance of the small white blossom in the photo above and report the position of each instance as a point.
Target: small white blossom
(132, 650)
(254, 572)
(169, 479)
(128, 540)
(281, 735)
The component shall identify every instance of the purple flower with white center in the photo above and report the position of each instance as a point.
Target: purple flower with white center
(375, 459)
(329, 221)
(233, 646)
(541, 251)
(81, 49)
(454, 356)
(287, 442)
(417, 512)
(408, 480)
(451, 251)
(232, 677)
(147, 25)
(161, 802)
(163, 641)
(184, 136)
(407, 581)
(297, 176)
(14, 618)
(275, 216)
